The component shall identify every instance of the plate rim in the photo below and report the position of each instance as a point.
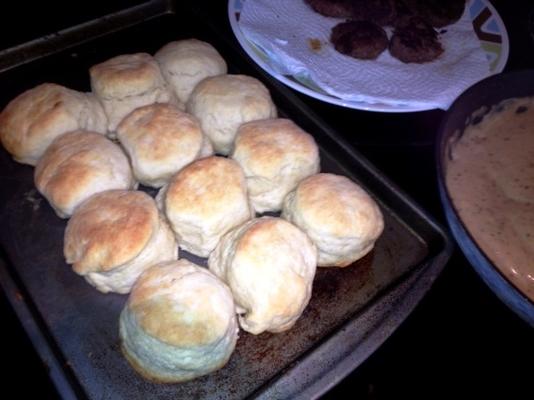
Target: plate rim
(248, 47)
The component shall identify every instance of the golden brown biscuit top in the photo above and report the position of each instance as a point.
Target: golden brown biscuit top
(269, 145)
(278, 233)
(265, 230)
(109, 229)
(231, 91)
(190, 52)
(337, 205)
(181, 304)
(160, 131)
(277, 261)
(231, 85)
(206, 188)
(75, 161)
(35, 112)
(125, 75)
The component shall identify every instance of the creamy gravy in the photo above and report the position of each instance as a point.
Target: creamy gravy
(490, 178)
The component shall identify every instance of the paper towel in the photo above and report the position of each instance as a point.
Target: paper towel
(284, 29)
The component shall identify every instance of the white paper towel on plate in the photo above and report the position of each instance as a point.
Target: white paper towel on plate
(285, 29)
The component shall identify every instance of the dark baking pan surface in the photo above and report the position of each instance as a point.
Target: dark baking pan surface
(74, 328)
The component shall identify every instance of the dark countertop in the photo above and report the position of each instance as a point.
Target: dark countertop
(460, 339)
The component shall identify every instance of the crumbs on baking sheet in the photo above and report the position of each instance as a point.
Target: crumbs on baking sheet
(315, 44)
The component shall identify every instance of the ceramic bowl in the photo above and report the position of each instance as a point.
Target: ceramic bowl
(463, 111)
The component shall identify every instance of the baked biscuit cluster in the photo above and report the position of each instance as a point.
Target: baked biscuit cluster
(212, 145)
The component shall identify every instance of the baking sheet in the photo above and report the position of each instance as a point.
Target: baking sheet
(75, 328)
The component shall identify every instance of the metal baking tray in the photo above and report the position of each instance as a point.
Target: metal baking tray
(74, 328)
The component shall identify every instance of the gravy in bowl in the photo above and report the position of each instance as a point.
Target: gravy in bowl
(490, 178)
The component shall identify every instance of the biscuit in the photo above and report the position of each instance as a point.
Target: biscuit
(160, 140)
(222, 103)
(184, 63)
(269, 265)
(114, 236)
(275, 155)
(126, 82)
(342, 220)
(77, 165)
(179, 323)
(31, 121)
(204, 200)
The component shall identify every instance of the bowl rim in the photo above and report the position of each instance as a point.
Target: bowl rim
(441, 148)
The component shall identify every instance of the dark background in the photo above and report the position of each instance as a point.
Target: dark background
(460, 340)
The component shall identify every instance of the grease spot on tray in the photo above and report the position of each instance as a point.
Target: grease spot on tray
(315, 44)
(33, 198)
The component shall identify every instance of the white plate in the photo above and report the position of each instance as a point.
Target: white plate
(487, 24)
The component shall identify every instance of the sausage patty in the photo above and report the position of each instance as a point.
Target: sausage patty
(359, 39)
(332, 8)
(415, 41)
(438, 13)
(381, 12)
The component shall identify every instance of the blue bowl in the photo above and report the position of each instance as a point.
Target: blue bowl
(485, 93)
